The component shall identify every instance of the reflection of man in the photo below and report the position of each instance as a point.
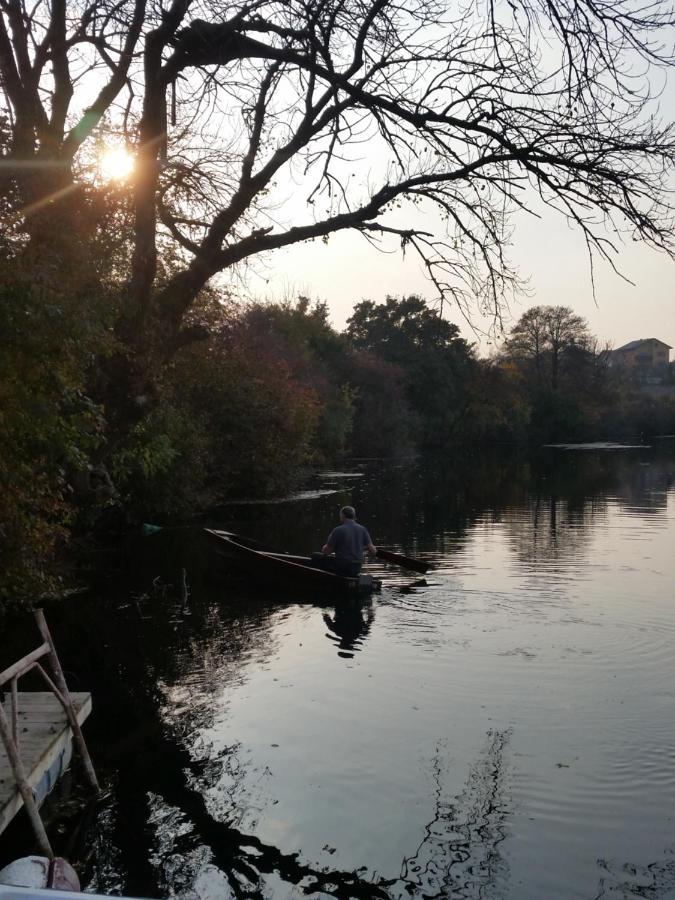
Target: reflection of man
(348, 541)
(349, 627)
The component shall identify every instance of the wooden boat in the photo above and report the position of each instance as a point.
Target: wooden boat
(265, 565)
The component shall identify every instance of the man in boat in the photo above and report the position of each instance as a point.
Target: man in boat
(343, 551)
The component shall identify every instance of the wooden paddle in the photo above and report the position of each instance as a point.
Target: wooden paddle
(407, 562)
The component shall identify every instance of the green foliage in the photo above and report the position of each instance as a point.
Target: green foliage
(499, 410)
(336, 422)
(550, 359)
(49, 427)
(160, 469)
(400, 327)
(384, 424)
(436, 365)
(639, 413)
(56, 315)
(567, 387)
(259, 418)
(301, 335)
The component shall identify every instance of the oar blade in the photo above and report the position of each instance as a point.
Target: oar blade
(407, 562)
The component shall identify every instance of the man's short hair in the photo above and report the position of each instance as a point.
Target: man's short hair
(348, 512)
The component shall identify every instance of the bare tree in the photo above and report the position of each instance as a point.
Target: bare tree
(565, 331)
(528, 339)
(544, 335)
(468, 110)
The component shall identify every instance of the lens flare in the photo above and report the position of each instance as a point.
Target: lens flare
(116, 163)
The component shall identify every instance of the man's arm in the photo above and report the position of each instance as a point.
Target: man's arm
(328, 547)
(371, 548)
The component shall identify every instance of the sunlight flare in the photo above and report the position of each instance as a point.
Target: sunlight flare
(116, 163)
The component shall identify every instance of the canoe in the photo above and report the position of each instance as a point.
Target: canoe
(265, 565)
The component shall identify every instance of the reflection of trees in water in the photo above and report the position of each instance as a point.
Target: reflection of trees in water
(550, 529)
(639, 478)
(624, 881)
(431, 505)
(348, 626)
(162, 827)
(181, 834)
(644, 482)
(444, 498)
(187, 834)
(555, 522)
(459, 855)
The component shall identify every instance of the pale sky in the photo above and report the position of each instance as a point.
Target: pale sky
(547, 252)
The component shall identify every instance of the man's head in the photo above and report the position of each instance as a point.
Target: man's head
(347, 513)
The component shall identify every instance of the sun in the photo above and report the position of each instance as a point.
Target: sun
(116, 163)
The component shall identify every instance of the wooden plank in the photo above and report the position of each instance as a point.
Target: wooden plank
(44, 734)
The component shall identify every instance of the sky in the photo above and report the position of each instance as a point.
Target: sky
(549, 254)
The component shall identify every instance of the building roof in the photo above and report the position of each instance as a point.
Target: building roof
(633, 345)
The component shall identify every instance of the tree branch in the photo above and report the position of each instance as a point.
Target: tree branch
(94, 113)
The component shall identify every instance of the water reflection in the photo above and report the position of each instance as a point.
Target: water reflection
(459, 855)
(244, 759)
(348, 626)
(550, 530)
(183, 840)
(187, 849)
(631, 882)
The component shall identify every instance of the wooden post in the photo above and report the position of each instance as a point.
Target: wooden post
(15, 713)
(70, 712)
(24, 787)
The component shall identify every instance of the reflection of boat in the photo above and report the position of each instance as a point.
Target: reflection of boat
(263, 564)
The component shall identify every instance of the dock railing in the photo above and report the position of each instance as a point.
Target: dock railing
(9, 726)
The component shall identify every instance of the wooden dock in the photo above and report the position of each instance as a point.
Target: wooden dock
(45, 742)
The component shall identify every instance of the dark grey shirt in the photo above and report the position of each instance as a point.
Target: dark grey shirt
(348, 541)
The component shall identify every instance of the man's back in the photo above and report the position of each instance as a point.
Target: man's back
(349, 540)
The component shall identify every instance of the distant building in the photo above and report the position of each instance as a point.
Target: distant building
(647, 359)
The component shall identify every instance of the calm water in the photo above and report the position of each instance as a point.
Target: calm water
(504, 730)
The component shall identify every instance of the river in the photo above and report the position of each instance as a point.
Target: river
(502, 728)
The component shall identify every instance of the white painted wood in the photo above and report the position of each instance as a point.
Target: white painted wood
(8, 892)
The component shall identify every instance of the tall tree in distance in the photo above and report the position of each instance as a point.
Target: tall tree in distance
(542, 336)
(561, 370)
(436, 364)
(565, 332)
(248, 121)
